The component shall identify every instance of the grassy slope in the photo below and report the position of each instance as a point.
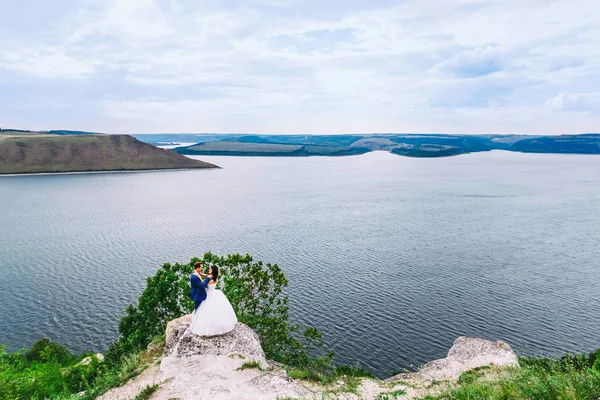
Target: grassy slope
(259, 146)
(569, 378)
(341, 145)
(33, 153)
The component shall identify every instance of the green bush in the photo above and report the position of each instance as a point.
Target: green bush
(46, 350)
(37, 374)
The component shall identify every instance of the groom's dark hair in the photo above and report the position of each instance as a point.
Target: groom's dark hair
(215, 273)
(198, 264)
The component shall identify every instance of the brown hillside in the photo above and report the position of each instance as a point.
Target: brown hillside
(80, 153)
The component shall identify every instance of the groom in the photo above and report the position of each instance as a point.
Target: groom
(198, 288)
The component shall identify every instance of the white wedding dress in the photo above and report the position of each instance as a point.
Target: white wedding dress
(214, 316)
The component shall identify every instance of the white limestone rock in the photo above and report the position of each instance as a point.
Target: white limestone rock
(241, 340)
(465, 354)
(173, 325)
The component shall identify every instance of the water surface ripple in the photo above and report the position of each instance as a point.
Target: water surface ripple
(392, 258)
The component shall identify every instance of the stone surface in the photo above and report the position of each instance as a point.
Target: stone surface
(195, 367)
(219, 377)
(240, 341)
(173, 325)
(133, 387)
(465, 354)
(88, 360)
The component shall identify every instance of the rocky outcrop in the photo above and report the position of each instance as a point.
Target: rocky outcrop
(465, 354)
(233, 366)
(87, 360)
(241, 340)
(230, 366)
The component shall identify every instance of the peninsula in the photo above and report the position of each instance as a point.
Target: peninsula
(26, 152)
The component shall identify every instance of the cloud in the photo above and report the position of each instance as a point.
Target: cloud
(383, 65)
(317, 40)
(575, 102)
(471, 95)
(473, 63)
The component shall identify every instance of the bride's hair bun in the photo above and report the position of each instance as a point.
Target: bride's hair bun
(215, 272)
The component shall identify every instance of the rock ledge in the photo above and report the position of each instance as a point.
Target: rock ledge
(243, 341)
(465, 354)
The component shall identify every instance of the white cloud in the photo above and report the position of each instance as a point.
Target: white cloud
(575, 102)
(47, 63)
(385, 66)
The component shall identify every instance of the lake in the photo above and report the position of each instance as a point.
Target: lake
(391, 258)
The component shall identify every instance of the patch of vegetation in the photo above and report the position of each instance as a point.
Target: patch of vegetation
(391, 395)
(49, 371)
(250, 365)
(570, 377)
(349, 377)
(147, 392)
(258, 146)
(471, 376)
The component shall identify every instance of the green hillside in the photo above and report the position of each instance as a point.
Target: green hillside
(267, 146)
(29, 152)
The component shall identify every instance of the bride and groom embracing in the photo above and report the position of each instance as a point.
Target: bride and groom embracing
(213, 314)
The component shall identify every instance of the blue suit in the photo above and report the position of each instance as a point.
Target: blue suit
(198, 289)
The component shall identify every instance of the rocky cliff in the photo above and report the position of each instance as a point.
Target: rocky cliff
(233, 366)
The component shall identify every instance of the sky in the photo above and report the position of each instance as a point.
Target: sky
(301, 66)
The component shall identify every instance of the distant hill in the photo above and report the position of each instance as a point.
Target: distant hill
(51, 132)
(408, 145)
(162, 138)
(66, 132)
(442, 145)
(27, 152)
(403, 144)
(268, 146)
(572, 144)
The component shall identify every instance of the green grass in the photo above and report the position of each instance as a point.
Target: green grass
(49, 371)
(569, 378)
(147, 392)
(250, 365)
(391, 395)
(350, 376)
(472, 375)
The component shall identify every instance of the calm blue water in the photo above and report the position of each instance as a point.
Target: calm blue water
(392, 258)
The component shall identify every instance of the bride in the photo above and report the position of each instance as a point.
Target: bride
(215, 315)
